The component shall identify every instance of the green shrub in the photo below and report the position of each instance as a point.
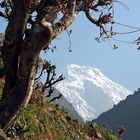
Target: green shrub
(108, 135)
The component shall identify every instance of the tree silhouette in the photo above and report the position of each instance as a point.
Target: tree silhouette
(32, 25)
(51, 79)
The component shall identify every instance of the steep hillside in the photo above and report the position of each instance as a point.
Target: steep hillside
(43, 121)
(126, 113)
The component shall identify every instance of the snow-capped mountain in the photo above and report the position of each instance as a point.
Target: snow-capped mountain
(89, 91)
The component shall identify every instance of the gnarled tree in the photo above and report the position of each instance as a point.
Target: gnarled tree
(32, 25)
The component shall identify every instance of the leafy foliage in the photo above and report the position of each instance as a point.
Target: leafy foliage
(108, 135)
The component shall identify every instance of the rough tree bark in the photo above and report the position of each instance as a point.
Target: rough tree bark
(10, 53)
(18, 92)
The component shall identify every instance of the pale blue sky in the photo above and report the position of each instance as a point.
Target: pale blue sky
(121, 65)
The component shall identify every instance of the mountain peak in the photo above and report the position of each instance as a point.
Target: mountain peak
(83, 70)
(89, 91)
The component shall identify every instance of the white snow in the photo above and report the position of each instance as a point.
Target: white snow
(89, 91)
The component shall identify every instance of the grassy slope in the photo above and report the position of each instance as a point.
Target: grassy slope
(42, 121)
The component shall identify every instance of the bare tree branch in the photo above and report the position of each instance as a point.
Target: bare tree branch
(89, 17)
(66, 20)
(57, 97)
(2, 15)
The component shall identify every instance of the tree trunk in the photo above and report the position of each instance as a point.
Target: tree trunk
(21, 91)
(19, 95)
(13, 40)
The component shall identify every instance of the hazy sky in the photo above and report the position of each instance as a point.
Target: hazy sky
(121, 65)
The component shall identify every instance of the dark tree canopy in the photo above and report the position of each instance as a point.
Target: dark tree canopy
(32, 25)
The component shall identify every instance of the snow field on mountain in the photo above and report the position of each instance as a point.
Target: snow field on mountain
(89, 91)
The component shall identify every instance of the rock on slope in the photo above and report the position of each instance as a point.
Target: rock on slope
(89, 91)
